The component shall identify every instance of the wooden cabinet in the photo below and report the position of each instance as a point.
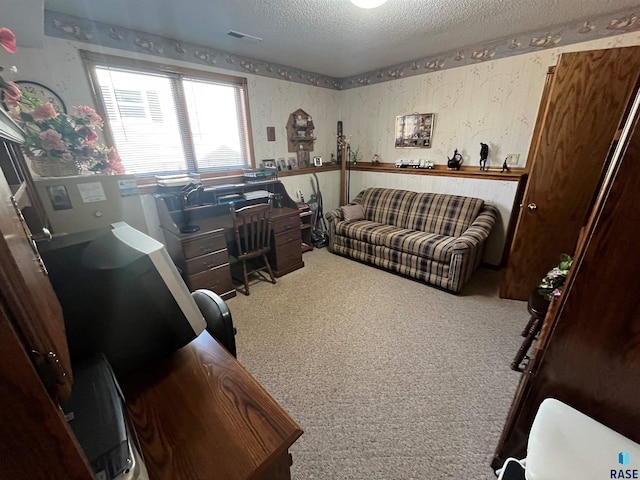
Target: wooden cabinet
(588, 351)
(286, 244)
(582, 105)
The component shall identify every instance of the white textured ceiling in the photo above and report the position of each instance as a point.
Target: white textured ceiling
(334, 37)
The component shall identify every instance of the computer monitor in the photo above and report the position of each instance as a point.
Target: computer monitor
(122, 296)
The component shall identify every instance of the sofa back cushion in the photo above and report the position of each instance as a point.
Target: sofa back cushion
(442, 214)
(386, 205)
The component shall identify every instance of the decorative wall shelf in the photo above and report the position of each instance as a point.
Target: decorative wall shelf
(493, 173)
(300, 136)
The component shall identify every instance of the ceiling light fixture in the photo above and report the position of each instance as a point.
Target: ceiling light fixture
(368, 3)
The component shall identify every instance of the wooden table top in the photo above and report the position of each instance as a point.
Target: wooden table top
(200, 415)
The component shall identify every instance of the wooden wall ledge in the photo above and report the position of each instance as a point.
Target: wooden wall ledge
(493, 173)
(307, 170)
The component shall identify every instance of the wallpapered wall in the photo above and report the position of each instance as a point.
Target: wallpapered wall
(495, 102)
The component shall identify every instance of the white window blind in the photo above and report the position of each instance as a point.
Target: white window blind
(164, 122)
(216, 128)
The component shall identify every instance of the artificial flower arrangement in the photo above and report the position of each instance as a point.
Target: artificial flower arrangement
(54, 138)
(553, 282)
(63, 138)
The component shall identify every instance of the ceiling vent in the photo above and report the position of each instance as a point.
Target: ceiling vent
(251, 38)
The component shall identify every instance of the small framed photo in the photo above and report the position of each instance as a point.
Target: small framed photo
(59, 197)
(293, 163)
(269, 163)
(282, 164)
(317, 161)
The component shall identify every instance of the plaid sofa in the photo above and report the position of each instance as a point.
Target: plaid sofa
(436, 238)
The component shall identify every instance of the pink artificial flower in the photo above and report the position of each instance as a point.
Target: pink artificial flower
(89, 135)
(67, 157)
(12, 94)
(114, 164)
(112, 155)
(44, 112)
(8, 40)
(88, 113)
(51, 140)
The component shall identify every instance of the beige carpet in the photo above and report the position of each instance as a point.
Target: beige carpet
(389, 378)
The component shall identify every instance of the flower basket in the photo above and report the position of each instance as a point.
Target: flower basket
(44, 166)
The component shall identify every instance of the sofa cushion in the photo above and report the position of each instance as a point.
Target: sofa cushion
(353, 212)
(385, 205)
(442, 214)
(364, 230)
(427, 245)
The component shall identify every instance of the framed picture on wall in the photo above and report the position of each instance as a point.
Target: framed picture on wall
(269, 163)
(282, 164)
(293, 163)
(414, 131)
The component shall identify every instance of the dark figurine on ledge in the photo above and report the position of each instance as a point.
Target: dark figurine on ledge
(505, 167)
(484, 153)
(455, 162)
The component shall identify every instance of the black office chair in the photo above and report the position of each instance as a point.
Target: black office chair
(252, 229)
(218, 317)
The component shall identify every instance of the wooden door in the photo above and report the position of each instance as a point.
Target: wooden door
(586, 100)
(27, 292)
(588, 354)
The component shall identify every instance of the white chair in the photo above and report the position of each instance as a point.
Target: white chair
(565, 444)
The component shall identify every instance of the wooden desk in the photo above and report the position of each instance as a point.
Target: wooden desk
(201, 415)
(203, 255)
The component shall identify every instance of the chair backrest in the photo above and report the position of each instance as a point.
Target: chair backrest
(252, 227)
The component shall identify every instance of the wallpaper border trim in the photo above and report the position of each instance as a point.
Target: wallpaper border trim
(97, 33)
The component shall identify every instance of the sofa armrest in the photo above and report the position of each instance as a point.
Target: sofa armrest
(334, 215)
(467, 251)
(478, 231)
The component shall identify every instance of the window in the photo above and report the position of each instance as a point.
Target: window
(166, 121)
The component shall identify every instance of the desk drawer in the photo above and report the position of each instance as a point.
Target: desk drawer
(288, 253)
(217, 279)
(204, 245)
(291, 222)
(207, 262)
(286, 237)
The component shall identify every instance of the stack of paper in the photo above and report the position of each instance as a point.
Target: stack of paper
(256, 194)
